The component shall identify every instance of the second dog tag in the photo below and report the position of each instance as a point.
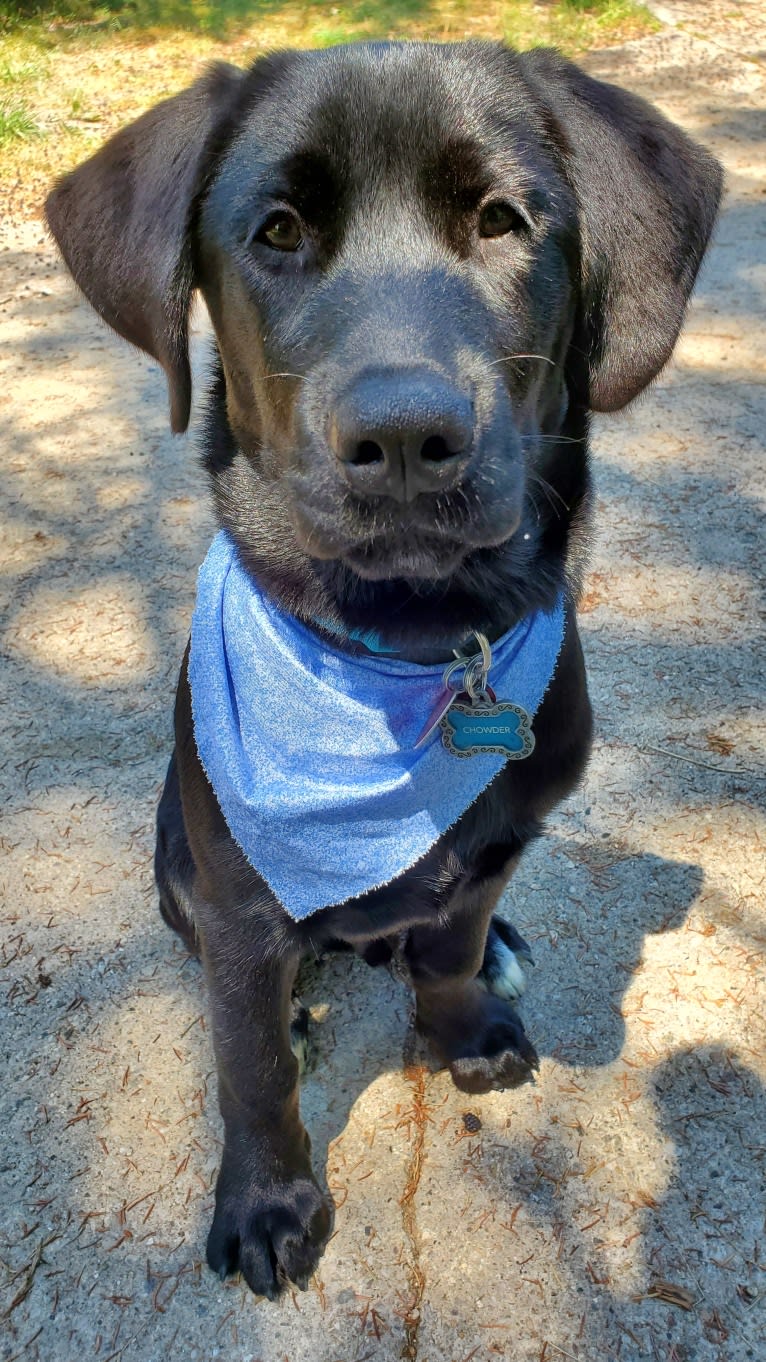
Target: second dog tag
(446, 700)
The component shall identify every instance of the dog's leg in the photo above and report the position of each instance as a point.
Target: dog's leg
(174, 873)
(271, 1221)
(478, 1034)
(174, 863)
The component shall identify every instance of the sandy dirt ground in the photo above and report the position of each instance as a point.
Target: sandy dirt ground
(615, 1209)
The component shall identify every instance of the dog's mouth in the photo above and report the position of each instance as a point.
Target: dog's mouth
(425, 557)
(383, 548)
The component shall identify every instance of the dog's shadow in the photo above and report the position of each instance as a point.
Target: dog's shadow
(588, 939)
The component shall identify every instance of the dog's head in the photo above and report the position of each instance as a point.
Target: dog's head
(425, 265)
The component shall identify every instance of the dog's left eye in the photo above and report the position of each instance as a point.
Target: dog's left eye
(281, 231)
(499, 218)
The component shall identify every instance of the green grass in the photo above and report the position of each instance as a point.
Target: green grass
(16, 122)
(223, 19)
(20, 73)
(75, 70)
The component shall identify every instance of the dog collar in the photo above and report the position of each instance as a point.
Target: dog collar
(313, 752)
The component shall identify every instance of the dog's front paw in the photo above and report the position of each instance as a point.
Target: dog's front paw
(497, 1054)
(272, 1234)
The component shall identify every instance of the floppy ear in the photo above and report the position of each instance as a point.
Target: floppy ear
(122, 220)
(648, 198)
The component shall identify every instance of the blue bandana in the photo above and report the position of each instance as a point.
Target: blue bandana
(311, 751)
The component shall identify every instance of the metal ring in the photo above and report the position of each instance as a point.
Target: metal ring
(486, 651)
(475, 670)
(450, 670)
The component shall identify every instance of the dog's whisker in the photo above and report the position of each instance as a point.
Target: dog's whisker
(531, 497)
(549, 492)
(553, 439)
(506, 359)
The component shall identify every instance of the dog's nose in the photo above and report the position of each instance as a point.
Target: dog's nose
(398, 433)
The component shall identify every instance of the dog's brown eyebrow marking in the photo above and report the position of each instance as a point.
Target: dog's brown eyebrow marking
(452, 181)
(457, 176)
(312, 184)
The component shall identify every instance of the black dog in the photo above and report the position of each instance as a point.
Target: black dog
(425, 266)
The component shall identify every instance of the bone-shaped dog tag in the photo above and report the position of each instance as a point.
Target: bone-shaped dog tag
(468, 730)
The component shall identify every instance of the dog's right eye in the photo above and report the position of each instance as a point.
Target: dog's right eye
(498, 218)
(281, 231)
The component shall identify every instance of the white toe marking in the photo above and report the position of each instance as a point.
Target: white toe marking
(506, 977)
(299, 1044)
